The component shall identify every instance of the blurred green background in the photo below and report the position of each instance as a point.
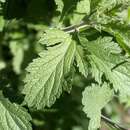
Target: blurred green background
(21, 24)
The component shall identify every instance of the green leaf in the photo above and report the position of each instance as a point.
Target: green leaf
(13, 116)
(46, 74)
(105, 58)
(60, 5)
(81, 61)
(82, 9)
(94, 99)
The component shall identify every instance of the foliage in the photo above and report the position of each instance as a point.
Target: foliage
(63, 63)
(94, 99)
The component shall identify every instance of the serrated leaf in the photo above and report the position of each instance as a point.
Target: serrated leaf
(105, 58)
(94, 99)
(13, 116)
(46, 74)
(82, 9)
(81, 61)
(60, 5)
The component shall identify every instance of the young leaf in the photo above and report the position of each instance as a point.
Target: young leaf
(105, 58)
(94, 99)
(13, 116)
(46, 74)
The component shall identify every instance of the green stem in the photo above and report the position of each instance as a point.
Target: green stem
(79, 27)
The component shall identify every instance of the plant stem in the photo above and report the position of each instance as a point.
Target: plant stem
(112, 123)
(79, 27)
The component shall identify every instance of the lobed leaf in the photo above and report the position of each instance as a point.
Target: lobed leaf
(105, 58)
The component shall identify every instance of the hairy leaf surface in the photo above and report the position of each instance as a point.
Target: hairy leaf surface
(94, 99)
(46, 74)
(13, 116)
(105, 58)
